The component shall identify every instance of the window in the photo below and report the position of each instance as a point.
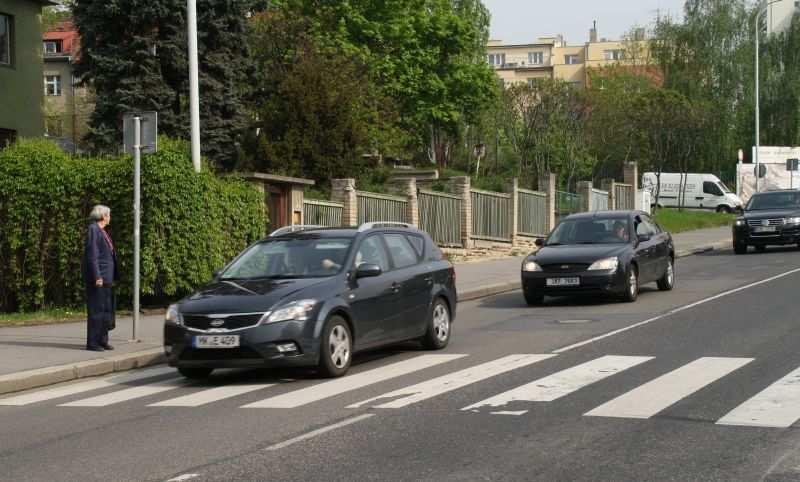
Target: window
(372, 251)
(290, 258)
(54, 127)
(712, 189)
(572, 59)
(418, 243)
(6, 43)
(497, 60)
(616, 54)
(52, 85)
(536, 58)
(52, 47)
(7, 137)
(402, 252)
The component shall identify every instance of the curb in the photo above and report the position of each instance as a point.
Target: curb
(15, 382)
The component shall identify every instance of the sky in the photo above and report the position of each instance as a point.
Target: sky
(523, 21)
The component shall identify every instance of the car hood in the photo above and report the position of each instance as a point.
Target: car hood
(246, 296)
(771, 214)
(578, 253)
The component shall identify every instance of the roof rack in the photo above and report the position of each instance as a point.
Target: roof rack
(294, 229)
(384, 224)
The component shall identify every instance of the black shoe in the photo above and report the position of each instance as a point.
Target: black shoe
(107, 347)
(95, 348)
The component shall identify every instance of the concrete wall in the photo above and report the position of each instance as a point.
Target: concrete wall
(21, 85)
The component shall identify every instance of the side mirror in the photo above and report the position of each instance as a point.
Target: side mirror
(368, 271)
(217, 273)
(643, 238)
(539, 242)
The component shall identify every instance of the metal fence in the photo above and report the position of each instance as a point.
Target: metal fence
(625, 199)
(567, 203)
(532, 213)
(440, 216)
(599, 200)
(491, 215)
(381, 207)
(322, 213)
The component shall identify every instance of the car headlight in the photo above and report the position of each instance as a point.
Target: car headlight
(740, 222)
(792, 220)
(174, 315)
(530, 266)
(605, 264)
(296, 310)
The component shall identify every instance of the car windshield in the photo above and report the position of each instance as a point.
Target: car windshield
(774, 200)
(305, 257)
(590, 231)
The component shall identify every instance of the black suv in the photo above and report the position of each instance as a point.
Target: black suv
(770, 218)
(313, 297)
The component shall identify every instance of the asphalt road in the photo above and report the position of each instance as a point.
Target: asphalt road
(695, 384)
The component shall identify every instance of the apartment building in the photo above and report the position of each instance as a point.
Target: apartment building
(779, 15)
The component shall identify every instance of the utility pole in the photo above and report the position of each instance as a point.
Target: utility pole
(194, 88)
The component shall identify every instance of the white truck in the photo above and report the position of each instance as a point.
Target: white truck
(700, 191)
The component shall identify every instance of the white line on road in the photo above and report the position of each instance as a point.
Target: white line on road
(332, 388)
(437, 386)
(676, 310)
(128, 394)
(563, 383)
(81, 387)
(777, 406)
(320, 431)
(183, 477)
(211, 395)
(654, 396)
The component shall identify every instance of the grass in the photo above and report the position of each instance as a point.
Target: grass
(43, 317)
(676, 221)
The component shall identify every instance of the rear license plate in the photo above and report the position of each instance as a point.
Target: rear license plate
(563, 281)
(765, 229)
(216, 341)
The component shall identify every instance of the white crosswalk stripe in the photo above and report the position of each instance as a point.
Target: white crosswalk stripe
(437, 386)
(211, 395)
(355, 381)
(128, 394)
(562, 383)
(653, 397)
(83, 387)
(777, 406)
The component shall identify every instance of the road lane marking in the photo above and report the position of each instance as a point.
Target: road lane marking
(183, 477)
(128, 394)
(452, 381)
(81, 387)
(562, 383)
(332, 388)
(676, 310)
(776, 406)
(320, 431)
(656, 395)
(210, 395)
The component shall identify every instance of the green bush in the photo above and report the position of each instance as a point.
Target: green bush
(191, 223)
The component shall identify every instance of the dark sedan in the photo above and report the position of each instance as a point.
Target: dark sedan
(770, 218)
(315, 297)
(610, 253)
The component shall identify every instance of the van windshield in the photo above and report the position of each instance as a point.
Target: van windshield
(724, 187)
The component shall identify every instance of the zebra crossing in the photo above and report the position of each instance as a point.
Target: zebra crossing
(776, 406)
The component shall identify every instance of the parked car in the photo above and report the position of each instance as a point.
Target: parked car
(313, 297)
(610, 253)
(770, 218)
(703, 191)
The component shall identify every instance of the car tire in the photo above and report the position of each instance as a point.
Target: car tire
(631, 285)
(724, 209)
(761, 249)
(667, 282)
(440, 326)
(195, 373)
(739, 248)
(336, 348)
(533, 299)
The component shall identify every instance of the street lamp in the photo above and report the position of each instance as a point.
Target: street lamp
(194, 89)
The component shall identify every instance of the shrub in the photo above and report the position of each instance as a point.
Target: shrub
(191, 223)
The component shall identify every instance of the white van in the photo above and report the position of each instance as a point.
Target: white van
(702, 191)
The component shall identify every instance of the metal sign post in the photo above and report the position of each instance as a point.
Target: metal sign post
(136, 143)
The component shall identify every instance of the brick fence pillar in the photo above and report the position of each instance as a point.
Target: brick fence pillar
(462, 188)
(548, 185)
(513, 189)
(408, 188)
(609, 185)
(631, 175)
(585, 191)
(344, 191)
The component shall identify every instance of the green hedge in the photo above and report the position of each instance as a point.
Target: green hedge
(191, 223)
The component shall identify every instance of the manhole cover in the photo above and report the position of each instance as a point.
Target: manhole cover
(573, 322)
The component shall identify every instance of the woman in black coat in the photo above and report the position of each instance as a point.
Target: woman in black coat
(99, 274)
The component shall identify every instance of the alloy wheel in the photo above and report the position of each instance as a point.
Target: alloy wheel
(339, 344)
(441, 322)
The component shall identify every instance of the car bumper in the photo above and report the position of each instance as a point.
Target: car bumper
(744, 235)
(258, 347)
(591, 283)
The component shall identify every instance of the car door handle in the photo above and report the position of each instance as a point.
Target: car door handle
(395, 287)
(429, 280)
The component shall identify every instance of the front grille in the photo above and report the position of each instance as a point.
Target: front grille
(231, 322)
(241, 353)
(760, 222)
(565, 268)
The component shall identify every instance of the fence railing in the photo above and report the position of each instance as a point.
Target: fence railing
(532, 213)
(568, 203)
(322, 213)
(380, 207)
(624, 194)
(491, 215)
(440, 216)
(599, 200)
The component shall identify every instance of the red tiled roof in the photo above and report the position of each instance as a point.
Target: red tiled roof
(69, 36)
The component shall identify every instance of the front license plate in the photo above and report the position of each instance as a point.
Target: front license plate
(216, 341)
(765, 229)
(563, 281)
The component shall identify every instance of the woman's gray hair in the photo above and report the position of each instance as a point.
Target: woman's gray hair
(99, 212)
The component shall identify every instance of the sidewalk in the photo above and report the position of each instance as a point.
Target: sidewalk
(43, 355)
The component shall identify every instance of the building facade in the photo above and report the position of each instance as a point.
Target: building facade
(779, 15)
(21, 69)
